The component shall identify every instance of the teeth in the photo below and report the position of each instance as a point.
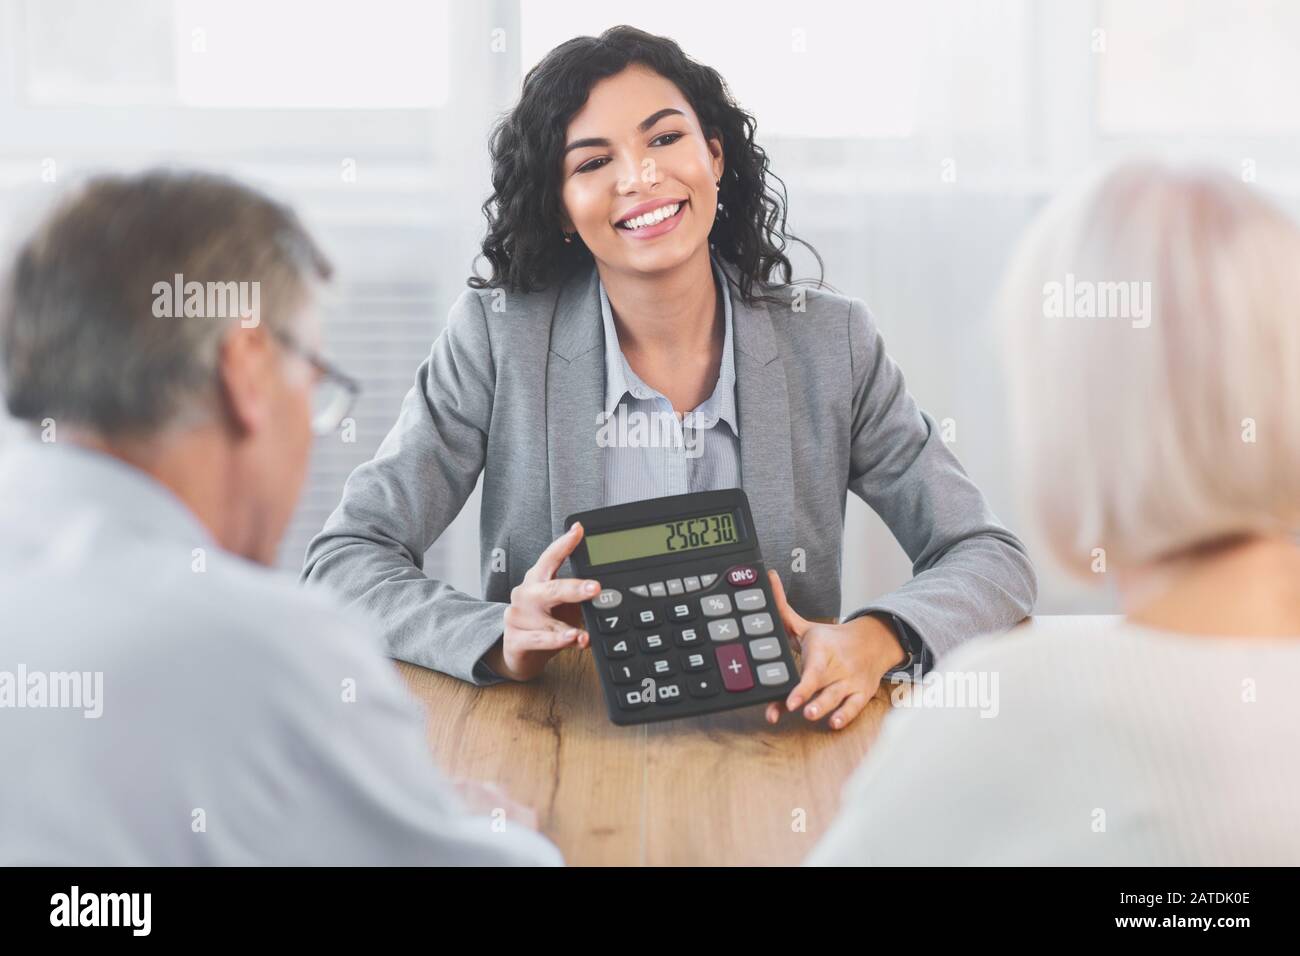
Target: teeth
(652, 217)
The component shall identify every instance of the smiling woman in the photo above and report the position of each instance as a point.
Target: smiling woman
(636, 246)
(552, 158)
(612, 181)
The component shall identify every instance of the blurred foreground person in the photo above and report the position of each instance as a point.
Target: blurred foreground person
(1152, 325)
(164, 697)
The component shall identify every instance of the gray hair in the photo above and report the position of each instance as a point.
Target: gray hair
(1147, 435)
(82, 337)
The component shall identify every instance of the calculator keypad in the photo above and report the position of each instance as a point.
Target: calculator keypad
(665, 642)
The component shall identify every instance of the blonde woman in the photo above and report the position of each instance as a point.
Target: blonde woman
(1167, 445)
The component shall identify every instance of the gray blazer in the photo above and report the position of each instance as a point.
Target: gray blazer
(512, 390)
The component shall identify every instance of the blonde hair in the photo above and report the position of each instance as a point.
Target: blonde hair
(1147, 435)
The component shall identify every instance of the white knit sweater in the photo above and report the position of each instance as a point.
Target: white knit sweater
(1106, 744)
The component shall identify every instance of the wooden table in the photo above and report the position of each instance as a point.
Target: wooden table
(724, 790)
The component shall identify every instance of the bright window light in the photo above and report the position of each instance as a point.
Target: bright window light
(869, 69)
(326, 54)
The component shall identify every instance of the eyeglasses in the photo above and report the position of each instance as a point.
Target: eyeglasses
(333, 395)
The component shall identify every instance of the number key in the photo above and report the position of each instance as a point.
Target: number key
(680, 612)
(669, 693)
(660, 667)
(631, 698)
(611, 623)
(618, 650)
(653, 643)
(648, 617)
(695, 661)
(689, 637)
(624, 673)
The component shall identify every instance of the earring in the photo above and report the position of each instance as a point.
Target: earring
(568, 237)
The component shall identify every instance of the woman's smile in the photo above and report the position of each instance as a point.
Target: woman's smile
(661, 218)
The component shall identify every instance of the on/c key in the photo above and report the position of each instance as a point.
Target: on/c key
(735, 669)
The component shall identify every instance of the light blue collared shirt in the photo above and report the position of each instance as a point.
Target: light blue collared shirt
(649, 452)
(181, 677)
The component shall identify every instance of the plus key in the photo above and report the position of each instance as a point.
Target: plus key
(735, 669)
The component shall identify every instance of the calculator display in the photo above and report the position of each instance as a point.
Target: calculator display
(665, 537)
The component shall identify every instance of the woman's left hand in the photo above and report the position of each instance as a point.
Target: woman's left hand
(842, 663)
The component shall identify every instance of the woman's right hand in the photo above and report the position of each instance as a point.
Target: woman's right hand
(543, 617)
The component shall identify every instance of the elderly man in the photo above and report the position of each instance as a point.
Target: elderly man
(164, 697)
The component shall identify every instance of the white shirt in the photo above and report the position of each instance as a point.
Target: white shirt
(648, 451)
(1111, 744)
(237, 719)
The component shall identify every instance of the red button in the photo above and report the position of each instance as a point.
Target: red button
(735, 669)
(741, 576)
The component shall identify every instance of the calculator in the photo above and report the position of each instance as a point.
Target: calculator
(685, 623)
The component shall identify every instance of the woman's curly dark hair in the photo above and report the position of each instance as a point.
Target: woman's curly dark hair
(524, 246)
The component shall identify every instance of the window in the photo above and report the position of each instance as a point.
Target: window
(830, 70)
(239, 54)
(1187, 67)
